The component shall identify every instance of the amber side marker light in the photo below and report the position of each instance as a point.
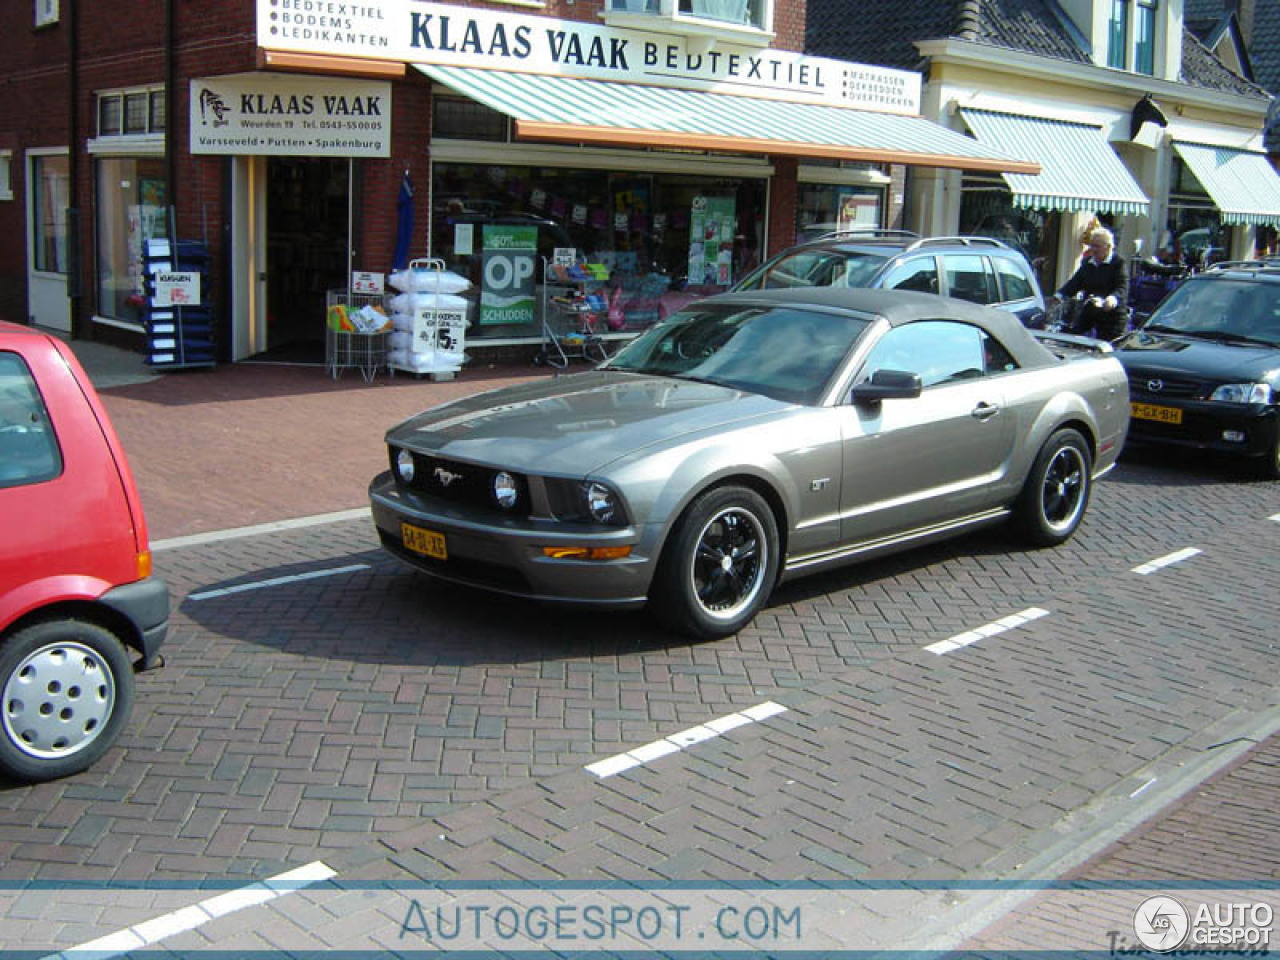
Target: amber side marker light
(144, 564)
(586, 553)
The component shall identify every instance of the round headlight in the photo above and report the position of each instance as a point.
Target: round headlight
(600, 502)
(505, 490)
(404, 466)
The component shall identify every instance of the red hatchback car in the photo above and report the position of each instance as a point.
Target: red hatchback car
(76, 591)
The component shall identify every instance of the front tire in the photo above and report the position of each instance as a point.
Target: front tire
(719, 566)
(1057, 490)
(66, 690)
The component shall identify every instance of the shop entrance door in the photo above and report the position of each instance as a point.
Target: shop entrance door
(307, 230)
(48, 194)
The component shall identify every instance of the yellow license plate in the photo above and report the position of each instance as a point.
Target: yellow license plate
(423, 541)
(1149, 411)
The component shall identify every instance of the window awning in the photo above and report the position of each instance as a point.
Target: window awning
(1243, 185)
(569, 109)
(1079, 170)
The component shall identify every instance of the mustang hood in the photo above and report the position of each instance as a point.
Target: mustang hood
(1198, 358)
(573, 425)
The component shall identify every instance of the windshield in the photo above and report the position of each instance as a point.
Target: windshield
(815, 268)
(1222, 309)
(787, 353)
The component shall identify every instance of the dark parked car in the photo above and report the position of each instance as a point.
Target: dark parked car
(76, 590)
(978, 269)
(752, 438)
(1204, 369)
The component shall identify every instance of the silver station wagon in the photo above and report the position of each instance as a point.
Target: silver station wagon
(750, 439)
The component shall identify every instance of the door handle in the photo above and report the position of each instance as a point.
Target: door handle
(984, 410)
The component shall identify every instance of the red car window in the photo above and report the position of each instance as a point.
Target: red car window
(28, 447)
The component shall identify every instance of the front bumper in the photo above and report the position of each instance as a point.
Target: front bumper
(1205, 424)
(146, 605)
(505, 555)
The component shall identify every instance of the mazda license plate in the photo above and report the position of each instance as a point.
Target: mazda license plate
(423, 541)
(1149, 411)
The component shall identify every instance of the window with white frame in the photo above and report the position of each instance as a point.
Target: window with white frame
(6, 183)
(755, 15)
(1118, 35)
(46, 12)
(1131, 36)
(1144, 38)
(135, 112)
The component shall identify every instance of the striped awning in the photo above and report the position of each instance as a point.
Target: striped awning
(1079, 170)
(1243, 185)
(573, 110)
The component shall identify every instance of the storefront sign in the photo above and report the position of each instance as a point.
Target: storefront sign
(508, 285)
(411, 31)
(281, 115)
(176, 289)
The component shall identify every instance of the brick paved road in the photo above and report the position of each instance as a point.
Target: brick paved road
(395, 728)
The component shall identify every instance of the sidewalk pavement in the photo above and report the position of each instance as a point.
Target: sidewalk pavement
(246, 444)
(250, 443)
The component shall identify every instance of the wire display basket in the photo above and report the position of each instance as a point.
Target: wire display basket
(354, 349)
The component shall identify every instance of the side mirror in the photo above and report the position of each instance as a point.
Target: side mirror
(887, 385)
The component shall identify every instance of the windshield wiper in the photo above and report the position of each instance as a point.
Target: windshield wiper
(1225, 337)
(1160, 328)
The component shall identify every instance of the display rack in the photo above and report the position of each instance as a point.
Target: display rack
(353, 349)
(575, 310)
(179, 336)
(430, 322)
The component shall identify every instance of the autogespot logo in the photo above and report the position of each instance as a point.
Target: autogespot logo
(1161, 923)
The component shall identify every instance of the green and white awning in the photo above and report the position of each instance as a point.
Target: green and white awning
(1242, 184)
(573, 110)
(1079, 170)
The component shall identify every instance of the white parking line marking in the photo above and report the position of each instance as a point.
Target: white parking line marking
(276, 581)
(1165, 561)
(199, 539)
(1141, 788)
(685, 738)
(156, 929)
(989, 630)
(1275, 517)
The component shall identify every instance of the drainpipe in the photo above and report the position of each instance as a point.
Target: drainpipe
(74, 253)
(170, 109)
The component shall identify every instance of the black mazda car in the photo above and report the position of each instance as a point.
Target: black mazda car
(1204, 369)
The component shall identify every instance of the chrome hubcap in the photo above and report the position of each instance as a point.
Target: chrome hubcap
(58, 700)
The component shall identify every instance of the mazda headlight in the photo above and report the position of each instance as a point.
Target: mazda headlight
(1243, 393)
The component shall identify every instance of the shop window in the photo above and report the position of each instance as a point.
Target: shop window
(46, 12)
(130, 210)
(659, 240)
(825, 208)
(458, 118)
(51, 183)
(6, 181)
(135, 112)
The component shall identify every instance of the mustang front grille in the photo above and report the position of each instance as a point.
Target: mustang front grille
(464, 483)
